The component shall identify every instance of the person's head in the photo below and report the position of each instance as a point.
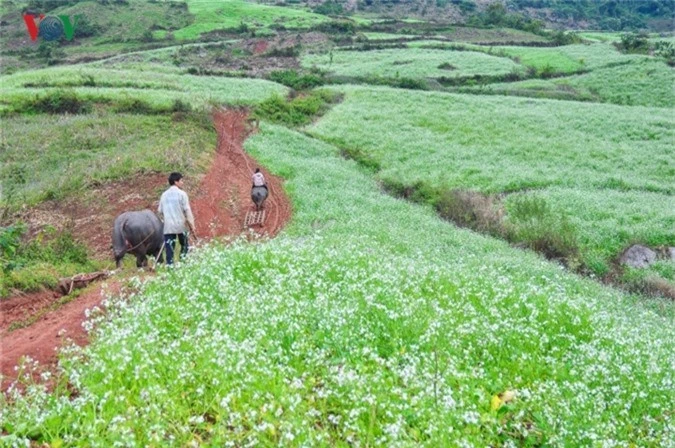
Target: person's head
(175, 177)
(257, 170)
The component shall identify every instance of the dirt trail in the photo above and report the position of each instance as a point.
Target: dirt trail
(219, 204)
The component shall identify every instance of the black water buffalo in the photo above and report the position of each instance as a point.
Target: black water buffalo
(139, 233)
(258, 196)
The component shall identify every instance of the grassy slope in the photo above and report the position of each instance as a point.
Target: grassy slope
(505, 144)
(211, 16)
(149, 85)
(569, 58)
(643, 82)
(60, 155)
(368, 322)
(117, 27)
(410, 63)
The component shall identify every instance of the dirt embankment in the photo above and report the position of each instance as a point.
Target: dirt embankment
(219, 204)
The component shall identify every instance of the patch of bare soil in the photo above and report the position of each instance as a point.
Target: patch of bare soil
(219, 205)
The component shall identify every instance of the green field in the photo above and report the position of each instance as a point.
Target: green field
(410, 63)
(569, 58)
(369, 322)
(495, 145)
(643, 82)
(210, 16)
(159, 89)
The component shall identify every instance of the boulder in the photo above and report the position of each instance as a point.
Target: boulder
(638, 256)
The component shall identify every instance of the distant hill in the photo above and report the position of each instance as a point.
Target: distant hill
(611, 15)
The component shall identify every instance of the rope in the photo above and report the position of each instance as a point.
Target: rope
(144, 239)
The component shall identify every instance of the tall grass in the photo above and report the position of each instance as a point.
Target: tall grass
(61, 155)
(368, 322)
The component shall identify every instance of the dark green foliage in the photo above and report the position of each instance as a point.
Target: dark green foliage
(147, 36)
(564, 38)
(21, 255)
(181, 106)
(666, 50)
(51, 52)
(133, 106)
(84, 27)
(497, 15)
(336, 27)
(466, 6)
(329, 8)
(611, 15)
(44, 6)
(298, 111)
(403, 83)
(56, 102)
(634, 43)
(287, 52)
(10, 240)
(295, 80)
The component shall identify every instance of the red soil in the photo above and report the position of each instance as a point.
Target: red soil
(219, 205)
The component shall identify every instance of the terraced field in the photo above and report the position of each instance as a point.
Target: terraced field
(439, 142)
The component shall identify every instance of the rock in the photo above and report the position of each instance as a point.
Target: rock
(671, 253)
(638, 256)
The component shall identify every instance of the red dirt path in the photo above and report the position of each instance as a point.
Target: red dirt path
(219, 205)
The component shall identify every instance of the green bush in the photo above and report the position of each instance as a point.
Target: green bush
(336, 27)
(59, 101)
(532, 221)
(31, 263)
(298, 111)
(294, 80)
(133, 106)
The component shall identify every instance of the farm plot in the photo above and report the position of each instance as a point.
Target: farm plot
(568, 58)
(158, 89)
(368, 321)
(410, 63)
(210, 16)
(439, 142)
(642, 82)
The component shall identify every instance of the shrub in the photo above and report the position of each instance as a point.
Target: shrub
(29, 264)
(296, 112)
(634, 43)
(473, 210)
(133, 106)
(181, 106)
(59, 101)
(294, 80)
(329, 8)
(532, 221)
(336, 27)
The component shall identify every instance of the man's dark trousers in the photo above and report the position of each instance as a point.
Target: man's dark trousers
(170, 244)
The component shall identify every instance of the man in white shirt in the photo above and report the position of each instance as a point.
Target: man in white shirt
(174, 209)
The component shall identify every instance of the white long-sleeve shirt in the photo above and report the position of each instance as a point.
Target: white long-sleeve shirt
(258, 179)
(174, 209)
